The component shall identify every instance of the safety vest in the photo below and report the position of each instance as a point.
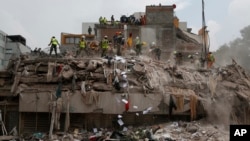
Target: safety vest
(105, 43)
(137, 42)
(210, 57)
(54, 41)
(82, 44)
(130, 42)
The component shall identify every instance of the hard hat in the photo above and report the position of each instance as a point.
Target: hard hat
(153, 44)
(105, 36)
(137, 37)
(83, 37)
(175, 52)
(53, 36)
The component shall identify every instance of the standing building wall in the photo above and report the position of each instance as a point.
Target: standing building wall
(2, 48)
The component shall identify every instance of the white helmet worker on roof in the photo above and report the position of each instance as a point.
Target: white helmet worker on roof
(83, 37)
(153, 44)
(105, 36)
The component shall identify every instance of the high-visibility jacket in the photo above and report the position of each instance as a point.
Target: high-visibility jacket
(105, 43)
(210, 57)
(82, 44)
(130, 42)
(137, 42)
(54, 41)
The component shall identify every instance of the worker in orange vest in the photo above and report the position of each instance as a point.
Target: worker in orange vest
(210, 60)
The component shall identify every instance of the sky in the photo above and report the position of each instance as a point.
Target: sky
(39, 20)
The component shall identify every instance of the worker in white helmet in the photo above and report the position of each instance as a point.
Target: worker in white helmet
(53, 42)
(138, 45)
(82, 47)
(104, 46)
(156, 51)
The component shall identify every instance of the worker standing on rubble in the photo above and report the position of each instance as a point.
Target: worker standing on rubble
(130, 41)
(53, 43)
(112, 20)
(105, 22)
(138, 46)
(120, 43)
(210, 60)
(178, 58)
(104, 45)
(156, 51)
(82, 47)
(89, 30)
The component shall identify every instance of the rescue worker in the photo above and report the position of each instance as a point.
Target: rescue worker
(210, 60)
(156, 51)
(191, 57)
(130, 41)
(112, 20)
(105, 21)
(178, 57)
(104, 45)
(101, 20)
(53, 43)
(120, 43)
(82, 47)
(89, 30)
(138, 46)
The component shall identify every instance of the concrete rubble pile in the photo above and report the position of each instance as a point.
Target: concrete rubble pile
(220, 96)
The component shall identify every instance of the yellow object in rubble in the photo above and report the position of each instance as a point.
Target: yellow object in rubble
(144, 43)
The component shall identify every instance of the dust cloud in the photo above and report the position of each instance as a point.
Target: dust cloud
(238, 49)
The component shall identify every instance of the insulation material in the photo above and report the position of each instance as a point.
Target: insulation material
(67, 72)
(51, 67)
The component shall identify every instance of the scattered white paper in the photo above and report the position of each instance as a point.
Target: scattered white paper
(123, 60)
(99, 133)
(149, 108)
(120, 122)
(125, 101)
(144, 112)
(95, 130)
(135, 107)
(125, 129)
(122, 73)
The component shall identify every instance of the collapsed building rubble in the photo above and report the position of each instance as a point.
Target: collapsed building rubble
(138, 89)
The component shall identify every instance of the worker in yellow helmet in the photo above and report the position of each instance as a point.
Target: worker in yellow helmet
(83, 47)
(53, 43)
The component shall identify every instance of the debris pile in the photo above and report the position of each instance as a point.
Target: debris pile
(139, 85)
(172, 131)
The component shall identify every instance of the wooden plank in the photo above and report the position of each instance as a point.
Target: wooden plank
(8, 137)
